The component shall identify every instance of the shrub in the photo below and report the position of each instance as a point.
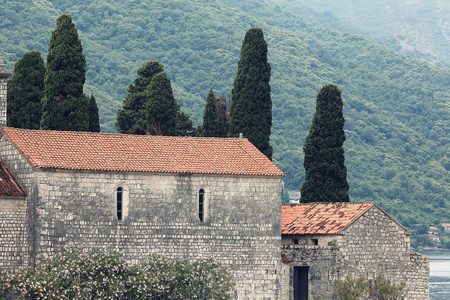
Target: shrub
(78, 274)
(379, 288)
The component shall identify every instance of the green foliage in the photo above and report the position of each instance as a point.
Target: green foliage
(94, 122)
(77, 274)
(210, 116)
(25, 91)
(396, 108)
(64, 106)
(222, 113)
(251, 104)
(162, 108)
(131, 117)
(326, 174)
(379, 288)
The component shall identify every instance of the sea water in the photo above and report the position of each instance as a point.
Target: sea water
(439, 275)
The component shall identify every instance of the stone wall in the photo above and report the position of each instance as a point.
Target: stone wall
(326, 265)
(3, 90)
(373, 245)
(20, 208)
(241, 230)
(13, 232)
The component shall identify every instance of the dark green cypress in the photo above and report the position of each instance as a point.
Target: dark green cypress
(64, 106)
(251, 105)
(210, 116)
(131, 117)
(162, 109)
(25, 92)
(222, 112)
(94, 122)
(326, 174)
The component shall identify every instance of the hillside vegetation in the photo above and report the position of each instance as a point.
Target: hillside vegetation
(421, 28)
(396, 108)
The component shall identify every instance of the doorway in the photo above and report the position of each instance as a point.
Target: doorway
(301, 283)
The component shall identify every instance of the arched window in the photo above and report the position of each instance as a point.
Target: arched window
(119, 203)
(201, 205)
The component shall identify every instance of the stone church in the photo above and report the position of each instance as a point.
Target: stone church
(186, 197)
(181, 197)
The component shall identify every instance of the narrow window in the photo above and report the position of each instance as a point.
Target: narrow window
(315, 241)
(201, 205)
(119, 203)
(295, 241)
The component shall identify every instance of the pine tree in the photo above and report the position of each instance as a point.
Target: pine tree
(210, 116)
(162, 109)
(64, 106)
(131, 117)
(25, 92)
(251, 105)
(94, 122)
(326, 174)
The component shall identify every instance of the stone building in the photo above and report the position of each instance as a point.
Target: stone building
(325, 242)
(182, 197)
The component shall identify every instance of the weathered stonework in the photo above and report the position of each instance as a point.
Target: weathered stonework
(374, 244)
(78, 208)
(3, 90)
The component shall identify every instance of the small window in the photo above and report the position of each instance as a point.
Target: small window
(201, 205)
(315, 242)
(295, 241)
(119, 203)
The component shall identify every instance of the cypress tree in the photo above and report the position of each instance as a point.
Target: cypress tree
(210, 116)
(25, 92)
(131, 117)
(64, 106)
(94, 122)
(222, 111)
(251, 105)
(162, 109)
(326, 174)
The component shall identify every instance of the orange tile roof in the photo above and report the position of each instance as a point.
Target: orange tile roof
(140, 153)
(320, 218)
(8, 184)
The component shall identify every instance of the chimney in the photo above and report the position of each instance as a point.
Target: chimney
(241, 136)
(3, 90)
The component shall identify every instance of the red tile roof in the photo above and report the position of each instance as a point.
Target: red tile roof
(140, 153)
(8, 185)
(320, 218)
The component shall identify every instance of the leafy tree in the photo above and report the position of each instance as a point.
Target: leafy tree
(162, 108)
(210, 116)
(131, 117)
(251, 105)
(94, 122)
(25, 92)
(326, 174)
(64, 106)
(222, 112)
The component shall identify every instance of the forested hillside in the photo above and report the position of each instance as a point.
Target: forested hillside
(421, 28)
(397, 108)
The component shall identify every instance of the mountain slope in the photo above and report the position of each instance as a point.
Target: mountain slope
(421, 28)
(397, 108)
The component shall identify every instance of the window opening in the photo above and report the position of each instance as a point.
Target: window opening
(295, 241)
(119, 203)
(315, 241)
(201, 205)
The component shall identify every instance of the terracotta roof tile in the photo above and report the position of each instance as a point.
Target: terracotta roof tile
(140, 153)
(320, 218)
(8, 184)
